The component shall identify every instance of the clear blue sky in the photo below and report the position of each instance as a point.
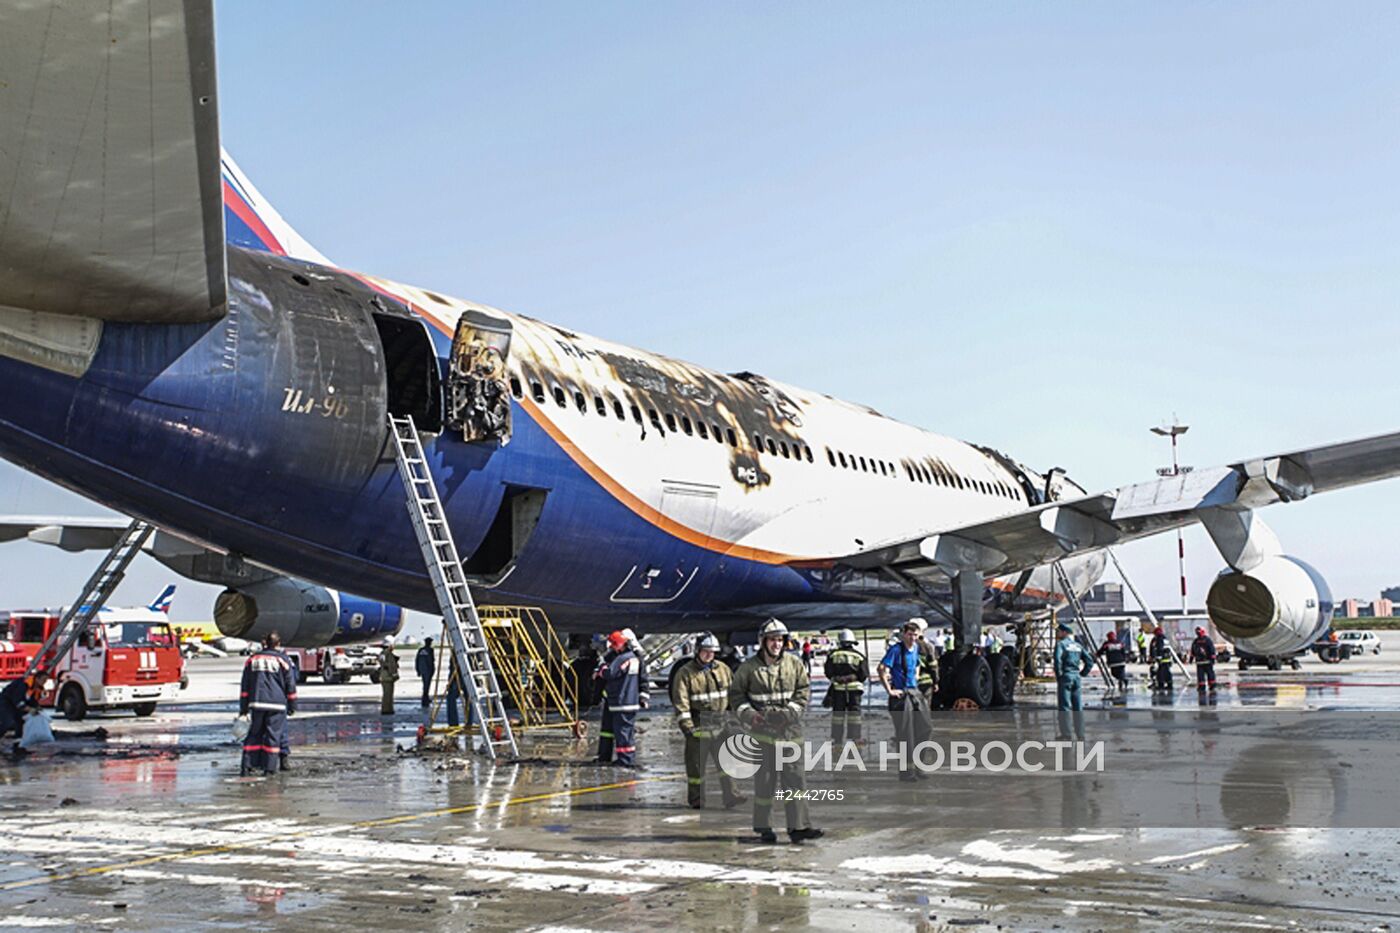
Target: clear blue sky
(1041, 227)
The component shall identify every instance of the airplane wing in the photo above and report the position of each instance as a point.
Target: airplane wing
(110, 189)
(1219, 497)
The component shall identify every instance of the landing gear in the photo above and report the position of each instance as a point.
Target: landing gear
(1004, 676)
(972, 680)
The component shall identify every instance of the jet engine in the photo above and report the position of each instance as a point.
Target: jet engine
(1278, 606)
(303, 614)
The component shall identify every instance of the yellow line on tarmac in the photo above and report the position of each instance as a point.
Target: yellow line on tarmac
(324, 831)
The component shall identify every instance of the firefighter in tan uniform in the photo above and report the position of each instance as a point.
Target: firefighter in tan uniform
(701, 699)
(769, 695)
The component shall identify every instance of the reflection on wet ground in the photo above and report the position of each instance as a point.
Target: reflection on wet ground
(153, 829)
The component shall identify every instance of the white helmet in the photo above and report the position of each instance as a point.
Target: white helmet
(631, 637)
(707, 642)
(388, 641)
(845, 637)
(772, 627)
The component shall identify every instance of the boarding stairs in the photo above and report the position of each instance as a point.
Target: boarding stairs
(1086, 637)
(96, 592)
(463, 625)
(655, 648)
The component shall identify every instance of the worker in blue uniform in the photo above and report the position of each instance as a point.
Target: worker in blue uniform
(1071, 663)
(269, 694)
(622, 683)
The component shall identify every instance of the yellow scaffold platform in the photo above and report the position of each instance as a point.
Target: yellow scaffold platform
(533, 668)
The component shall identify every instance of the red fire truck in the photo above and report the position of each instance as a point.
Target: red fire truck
(127, 659)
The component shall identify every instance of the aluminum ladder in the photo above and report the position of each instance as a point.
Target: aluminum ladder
(96, 592)
(463, 625)
(1085, 636)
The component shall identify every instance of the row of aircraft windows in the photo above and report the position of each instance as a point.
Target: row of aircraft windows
(919, 473)
(676, 424)
(936, 474)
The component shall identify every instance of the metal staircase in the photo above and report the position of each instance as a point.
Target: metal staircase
(463, 625)
(1086, 637)
(95, 594)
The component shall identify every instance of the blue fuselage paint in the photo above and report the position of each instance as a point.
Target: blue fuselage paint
(200, 429)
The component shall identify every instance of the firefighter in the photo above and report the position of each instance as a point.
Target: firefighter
(848, 671)
(388, 676)
(702, 703)
(1160, 655)
(622, 683)
(606, 725)
(644, 689)
(1203, 653)
(270, 694)
(1116, 654)
(425, 665)
(769, 694)
(899, 674)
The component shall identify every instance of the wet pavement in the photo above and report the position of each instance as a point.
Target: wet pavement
(152, 828)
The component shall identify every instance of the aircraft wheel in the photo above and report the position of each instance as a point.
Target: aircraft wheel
(973, 680)
(144, 709)
(1275, 664)
(374, 676)
(1003, 680)
(73, 703)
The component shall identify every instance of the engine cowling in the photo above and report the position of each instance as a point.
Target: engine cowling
(303, 614)
(1279, 606)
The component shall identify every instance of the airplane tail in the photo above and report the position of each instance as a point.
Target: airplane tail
(162, 602)
(252, 222)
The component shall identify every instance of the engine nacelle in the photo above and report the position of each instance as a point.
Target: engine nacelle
(1278, 606)
(303, 614)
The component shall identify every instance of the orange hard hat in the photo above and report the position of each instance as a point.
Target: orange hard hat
(617, 641)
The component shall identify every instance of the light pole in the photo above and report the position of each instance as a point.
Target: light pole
(1175, 430)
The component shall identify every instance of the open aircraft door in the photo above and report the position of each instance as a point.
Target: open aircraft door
(478, 397)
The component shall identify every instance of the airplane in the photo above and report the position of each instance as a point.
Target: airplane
(172, 348)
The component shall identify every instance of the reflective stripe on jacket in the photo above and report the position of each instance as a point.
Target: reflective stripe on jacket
(847, 669)
(702, 693)
(268, 683)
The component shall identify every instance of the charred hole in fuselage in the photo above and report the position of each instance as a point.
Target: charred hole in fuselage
(515, 521)
(411, 372)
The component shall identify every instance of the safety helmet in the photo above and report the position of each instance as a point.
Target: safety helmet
(772, 627)
(1200, 631)
(707, 642)
(630, 636)
(617, 641)
(1063, 627)
(1158, 631)
(1112, 636)
(388, 641)
(845, 637)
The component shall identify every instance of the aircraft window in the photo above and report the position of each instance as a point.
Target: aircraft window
(842, 456)
(808, 452)
(863, 467)
(670, 421)
(637, 415)
(600, 405)
(617, 410)
(537, 391)
(515, 386)
(783, 448)
(719, 434)
(729, 436)
(655, 420)
(758, 442)
(581, 401)
(685, 424)
(883, 469)
(559, 398)
(703, 431)
(831, 456)
(772, 448)
(923, 471)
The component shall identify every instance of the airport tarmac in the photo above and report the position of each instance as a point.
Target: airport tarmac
(153, 829)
